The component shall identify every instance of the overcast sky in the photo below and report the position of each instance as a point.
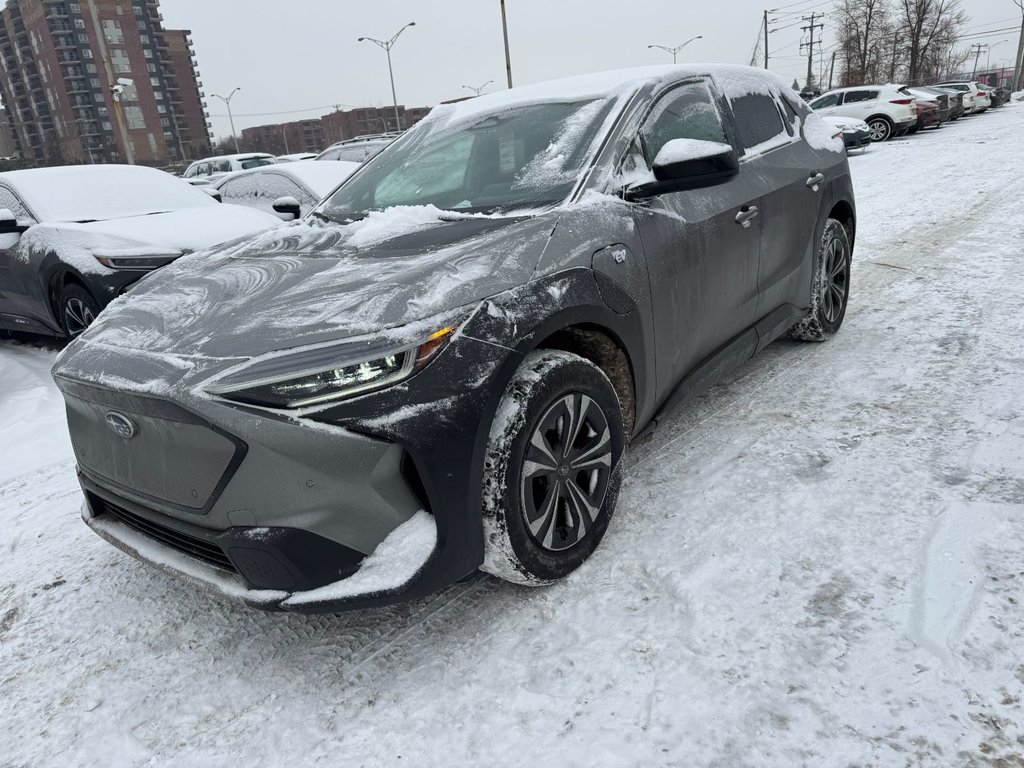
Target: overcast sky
(301, 57)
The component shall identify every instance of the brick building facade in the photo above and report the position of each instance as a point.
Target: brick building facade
(62, 62)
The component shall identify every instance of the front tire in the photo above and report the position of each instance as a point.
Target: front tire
(830, 286)
(78, 309)
(551, 473)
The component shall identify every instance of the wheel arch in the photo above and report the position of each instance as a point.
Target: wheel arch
(842, 211)
(602, 347)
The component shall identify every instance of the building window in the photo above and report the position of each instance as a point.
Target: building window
(94, 82)
(112, 31)
(151, 67)
(87, 53)
(165, 122)
(140, 24)
(158, 95)
(154, 81)
(83, 38)
(120, 10)
(134, 117)
(79, 24)
(137, 10)
(130, 93)
(119, 60)
(144, 39)
(90, 68)
(161, 109)
(106, 125)
(103, 111)
(148, 53)
(75, 8)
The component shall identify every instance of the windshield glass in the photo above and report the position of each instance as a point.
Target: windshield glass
(97, 192)
(528, 156)
(256, 162)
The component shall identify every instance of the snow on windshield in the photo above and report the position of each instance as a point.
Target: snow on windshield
(99, 192)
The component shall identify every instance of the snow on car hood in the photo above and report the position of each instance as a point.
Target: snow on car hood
(190, 229)
(306, 283)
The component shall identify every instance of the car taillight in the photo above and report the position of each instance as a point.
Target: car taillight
(981, 93)
(904, 102)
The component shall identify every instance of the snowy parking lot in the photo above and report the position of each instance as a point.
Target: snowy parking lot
(819, 563)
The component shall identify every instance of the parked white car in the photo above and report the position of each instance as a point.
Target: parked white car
(889, 110)
(286, 190)
(359, 149)
(296, 156)
(978, 92)
(212, 167)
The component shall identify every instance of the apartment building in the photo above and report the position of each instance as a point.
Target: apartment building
(285, 138)
(99, 81)
(347, 124)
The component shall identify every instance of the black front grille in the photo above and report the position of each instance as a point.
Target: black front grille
(183, 542)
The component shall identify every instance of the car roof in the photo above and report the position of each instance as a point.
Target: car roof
(318, 178)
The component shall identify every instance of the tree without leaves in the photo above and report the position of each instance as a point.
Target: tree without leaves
(930, 29)
(860, 26)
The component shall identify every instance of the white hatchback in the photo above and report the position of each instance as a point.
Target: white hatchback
(887, 109)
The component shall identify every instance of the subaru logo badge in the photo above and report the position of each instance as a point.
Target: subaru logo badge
(121, 425)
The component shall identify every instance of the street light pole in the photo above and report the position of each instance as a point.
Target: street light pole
(988, 58)
(504, 32)
(227, 100)
(387, 45)
(678, 48)
(477, 90)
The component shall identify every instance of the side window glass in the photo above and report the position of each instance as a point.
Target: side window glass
(853, 97)
(222, 166)
(758, 119)
(826, 101)
(687, 112)
(10, 201)
(273, 186)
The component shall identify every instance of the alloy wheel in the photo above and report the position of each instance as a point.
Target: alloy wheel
(77, 316)
(566, 472)
(836, 280)
(880, 130)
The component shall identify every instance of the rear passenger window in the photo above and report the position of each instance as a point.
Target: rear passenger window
(757, 118)
(687, 112)
(852, 97)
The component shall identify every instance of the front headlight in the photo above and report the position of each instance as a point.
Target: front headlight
(322, 375)
(141, 259)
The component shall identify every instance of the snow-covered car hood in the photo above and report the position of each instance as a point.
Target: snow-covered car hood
(313, 282)
(190, 229)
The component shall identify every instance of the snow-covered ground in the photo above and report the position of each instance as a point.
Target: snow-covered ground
(820, 563)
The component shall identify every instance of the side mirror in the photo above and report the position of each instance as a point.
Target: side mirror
(212, 192)
(9, 224)
(287, 208)
(684, 164)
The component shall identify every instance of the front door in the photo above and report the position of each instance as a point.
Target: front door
(701, 245)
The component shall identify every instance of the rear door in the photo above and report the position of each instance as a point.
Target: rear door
(827, 104)
(861, 104)
(701, 245)
(793, 178)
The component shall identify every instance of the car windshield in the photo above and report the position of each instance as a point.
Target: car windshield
(524, 157)
(98, 192)
(256, 162)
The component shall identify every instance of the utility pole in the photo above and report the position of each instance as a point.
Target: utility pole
(1018, 71)
(811, 42)
(116, 89)
(832, 70)
(977, 55)
(504, 32)
(766, 39)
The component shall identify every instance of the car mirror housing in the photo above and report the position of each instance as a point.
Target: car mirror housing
(9, 224)
(684, 164)
(287, 208)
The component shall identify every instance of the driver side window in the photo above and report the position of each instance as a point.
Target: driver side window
(687, 112)
(13, 203)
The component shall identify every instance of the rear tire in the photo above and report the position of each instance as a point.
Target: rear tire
(830, 286)
(551, 472)
(881, 128)
(78, 309)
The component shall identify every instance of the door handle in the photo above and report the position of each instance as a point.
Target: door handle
(814, 181)
(745, 215)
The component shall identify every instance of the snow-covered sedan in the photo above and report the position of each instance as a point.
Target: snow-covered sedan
(74, 238)
(286, 190)
(439, 368)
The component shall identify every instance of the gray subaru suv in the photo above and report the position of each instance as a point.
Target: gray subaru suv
(439, 368)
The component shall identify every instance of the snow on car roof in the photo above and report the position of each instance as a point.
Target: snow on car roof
(100, 192)
(320, 178)
(734, 81)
